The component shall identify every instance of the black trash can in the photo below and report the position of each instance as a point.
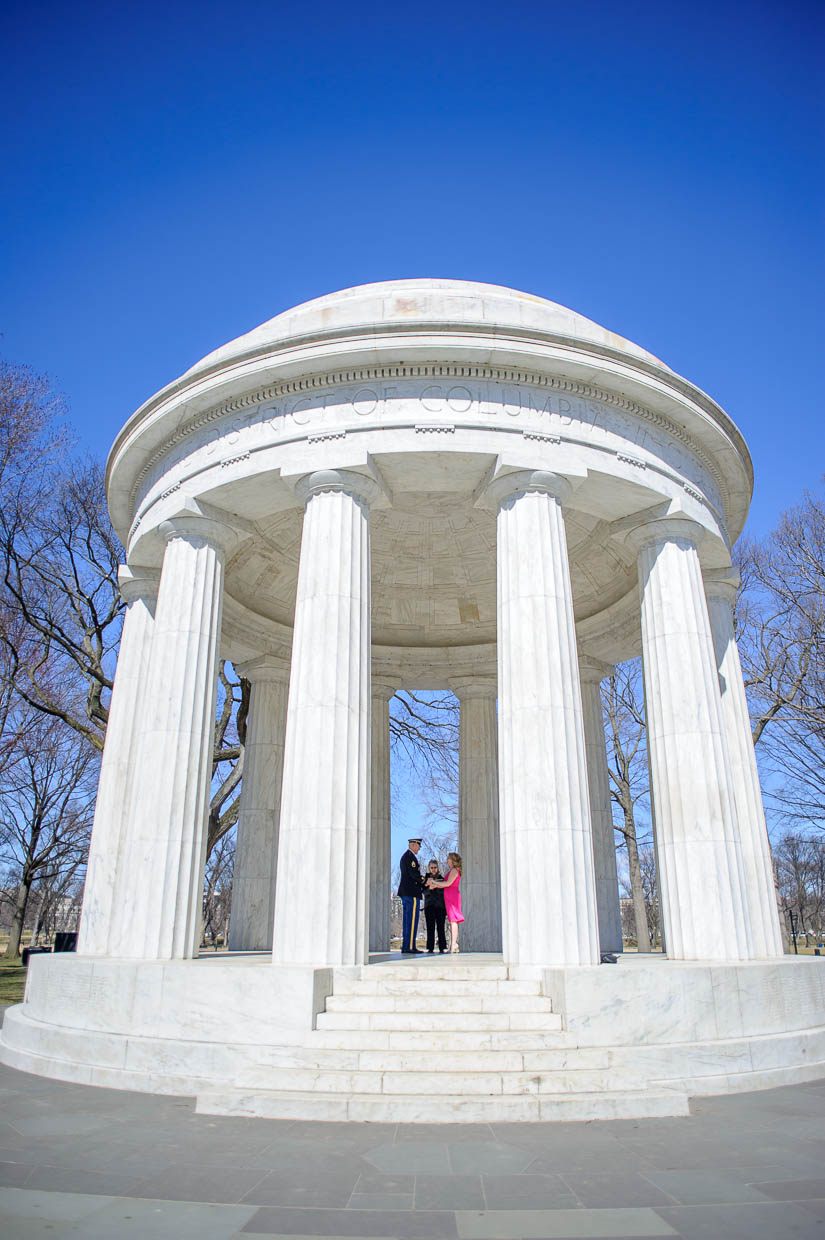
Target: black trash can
(32, 951)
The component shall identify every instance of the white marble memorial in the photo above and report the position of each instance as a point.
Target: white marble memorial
(426, 484)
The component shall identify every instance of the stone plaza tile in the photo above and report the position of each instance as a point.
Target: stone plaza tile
(14, 1174)
(691, 1187)
(794, 1190)
(608, 1190)
(411, 1158)
(128, 1219)
(311, 1186)
(487, 1158)
(453, 1192)
(528, 1192)
(768, 1221)
(71, 1180)
(360, 1224)
(552, 1224)
(371, 1181)
(380, 1201)
(226, 1185)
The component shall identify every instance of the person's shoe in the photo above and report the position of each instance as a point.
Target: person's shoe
(429, 951)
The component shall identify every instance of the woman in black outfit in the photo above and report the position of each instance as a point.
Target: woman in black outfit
(435, 913)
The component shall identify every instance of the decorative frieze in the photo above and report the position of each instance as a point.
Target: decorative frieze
(367, 395)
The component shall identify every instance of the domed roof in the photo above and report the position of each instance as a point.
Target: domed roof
(398, 304)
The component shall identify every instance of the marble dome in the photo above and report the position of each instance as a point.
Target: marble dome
(402, 305)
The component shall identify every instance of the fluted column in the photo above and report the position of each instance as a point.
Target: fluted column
(323, 863)
(604, 848)
(103, 891)
(478, 834)
(380, 819)
(760, 892)
(256, 851)
(548, 887)
(699, 859)
(161, 917)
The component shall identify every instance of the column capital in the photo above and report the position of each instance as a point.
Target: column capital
(197, 529)
(593, 671)
(266, 668)
(665, 529)
(722, 583)
(522, 481)
(136, 582)
(361, 486)
(384, 690)
(468, 687)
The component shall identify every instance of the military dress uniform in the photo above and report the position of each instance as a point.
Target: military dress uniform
(410, 889)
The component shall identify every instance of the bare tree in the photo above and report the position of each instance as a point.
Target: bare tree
(623, 707)
(800, 867)
(60, 563)
(46, 809)
(781, 629)
(217, 894)
(227, 754)
(424, 736)
(61, 611)
(424, 728)
(32, 433)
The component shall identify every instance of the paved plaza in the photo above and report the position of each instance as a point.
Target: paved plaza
(96, 1163)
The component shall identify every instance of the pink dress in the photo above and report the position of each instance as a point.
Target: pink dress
(452, 901)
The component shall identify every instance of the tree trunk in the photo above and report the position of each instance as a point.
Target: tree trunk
(636, 887)
(16, 931)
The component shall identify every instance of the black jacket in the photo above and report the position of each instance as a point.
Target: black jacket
(411, 882)
(434, 897)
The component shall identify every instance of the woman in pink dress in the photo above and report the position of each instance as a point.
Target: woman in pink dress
(452, 896)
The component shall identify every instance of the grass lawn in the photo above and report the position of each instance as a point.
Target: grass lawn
(12, 981)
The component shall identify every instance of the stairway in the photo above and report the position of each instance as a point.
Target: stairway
(441, 1042)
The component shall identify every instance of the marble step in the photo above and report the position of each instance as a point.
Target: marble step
(437, 1004)
(483, 1022)
(443, 1109)
(398, 985)
(443, 1041)
(407, 1079)
(435, 970)
(453, 1060)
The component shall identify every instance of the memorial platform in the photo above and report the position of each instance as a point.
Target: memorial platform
(423, 1039)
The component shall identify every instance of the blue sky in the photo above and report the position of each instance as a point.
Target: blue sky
(177, 173)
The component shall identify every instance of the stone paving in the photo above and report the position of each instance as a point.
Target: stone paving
(97, 1163)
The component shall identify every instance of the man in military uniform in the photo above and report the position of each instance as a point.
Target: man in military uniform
(410, 890)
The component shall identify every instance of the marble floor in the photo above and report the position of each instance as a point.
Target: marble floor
(96, 1163)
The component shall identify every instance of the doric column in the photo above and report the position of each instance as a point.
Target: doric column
(256, 851)
(760, 893)
(548, 888)
(478, 835)
(699, 859)
(323, 862)
(103, 891)
(604, 848)
(380, 819)
(161, 918)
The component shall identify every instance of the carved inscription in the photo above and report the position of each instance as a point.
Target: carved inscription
(545, 408)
